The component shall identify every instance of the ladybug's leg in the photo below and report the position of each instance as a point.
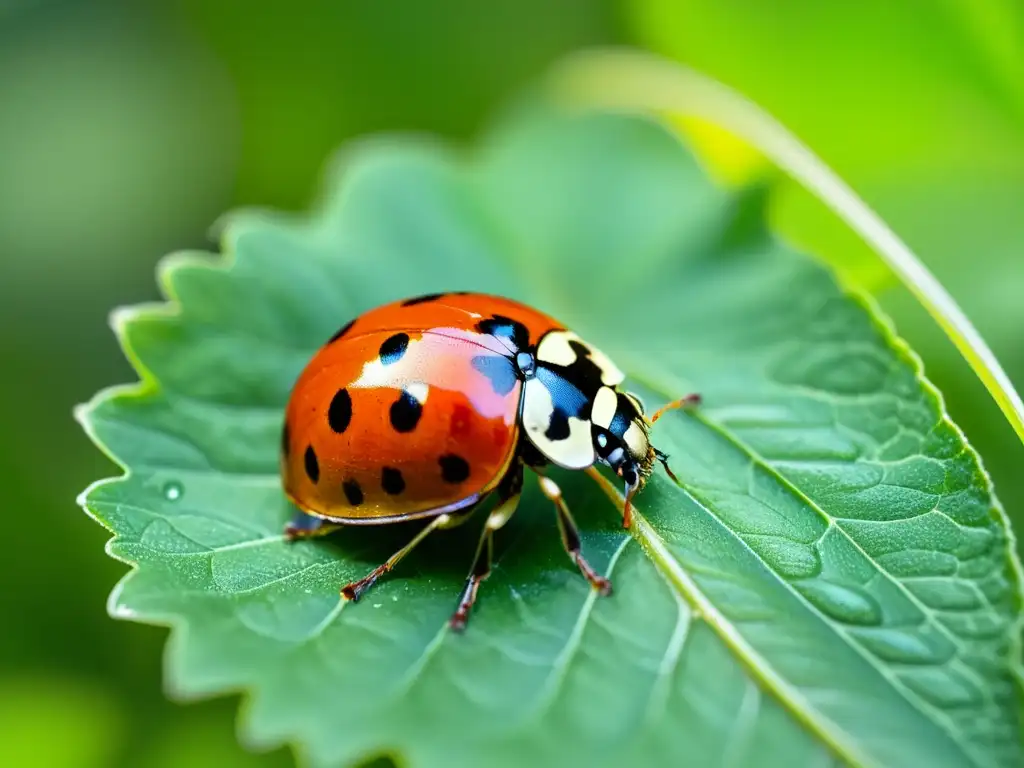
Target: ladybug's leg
(304, 526)
(355, 589)
(683, 402)
(571, 536)
(509, 492)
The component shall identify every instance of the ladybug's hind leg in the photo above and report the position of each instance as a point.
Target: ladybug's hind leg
(304, 526)
(571, 536)
(509, 492)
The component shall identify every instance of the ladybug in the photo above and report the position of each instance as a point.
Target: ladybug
(423, 408)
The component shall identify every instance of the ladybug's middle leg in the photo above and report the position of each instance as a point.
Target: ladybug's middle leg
(509, 491)
(571, 536)
(354, 590)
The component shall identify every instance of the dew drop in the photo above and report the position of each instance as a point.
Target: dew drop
(173, 491)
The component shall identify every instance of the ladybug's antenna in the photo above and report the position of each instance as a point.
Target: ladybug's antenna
(683, 402)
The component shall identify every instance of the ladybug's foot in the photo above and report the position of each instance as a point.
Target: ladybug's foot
(690, 401)
(571, 537)
(481, 569)
(600, 583)
(510, 489)
(458, 620)
(304, 526)
(355, 589)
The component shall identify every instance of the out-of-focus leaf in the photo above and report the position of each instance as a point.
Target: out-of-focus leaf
(49, 722)
(919, 106)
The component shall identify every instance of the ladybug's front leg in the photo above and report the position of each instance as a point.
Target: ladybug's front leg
(571, 536)
(304, 526)
(509, 492)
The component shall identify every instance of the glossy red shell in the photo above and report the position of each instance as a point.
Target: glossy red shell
(402, 413)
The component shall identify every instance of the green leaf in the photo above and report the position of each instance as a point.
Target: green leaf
(833, 582)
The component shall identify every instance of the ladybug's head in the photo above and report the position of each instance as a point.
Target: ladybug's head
(622, 440)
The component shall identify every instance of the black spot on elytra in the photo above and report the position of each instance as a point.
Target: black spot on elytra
(422, 299)
(391, 481)
(391, 351)
(558, 427)
(405, 412)
(499, 370)
(285, 440)
(339, 414)
(506, 328)
(353, 492)
(344, 329)
(312, 465)
(454, 469)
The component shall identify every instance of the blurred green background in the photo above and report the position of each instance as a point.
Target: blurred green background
(126, 128)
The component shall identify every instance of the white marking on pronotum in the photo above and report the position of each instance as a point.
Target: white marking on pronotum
(574, 452)
(605, 403)
(554, 348)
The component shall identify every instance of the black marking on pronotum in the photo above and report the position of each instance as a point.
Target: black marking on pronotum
(499, 370)
(583, 372)
(422, 299)
(454, 469)
(391, 481)
(391, 351)
(312, 465)
(339, 414)
(344, 329)
(558, 427)
(566, 394)
(405, 412)
(506, 328)
(353, 492)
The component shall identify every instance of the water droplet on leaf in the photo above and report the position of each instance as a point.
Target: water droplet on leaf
(173, 491)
